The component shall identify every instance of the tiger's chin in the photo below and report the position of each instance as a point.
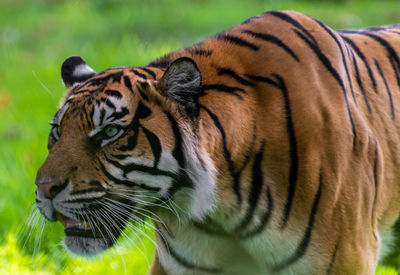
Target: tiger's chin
(84, 239)
(86, 246)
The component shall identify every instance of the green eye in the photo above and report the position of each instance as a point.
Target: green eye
(111, 131)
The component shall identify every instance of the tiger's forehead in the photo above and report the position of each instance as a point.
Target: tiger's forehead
(96, 86)
(110, 97)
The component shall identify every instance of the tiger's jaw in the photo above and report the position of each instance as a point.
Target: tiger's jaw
(86, 246)
(85, 239)
(89, 226)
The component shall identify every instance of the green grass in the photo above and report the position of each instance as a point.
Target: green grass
(35, 38)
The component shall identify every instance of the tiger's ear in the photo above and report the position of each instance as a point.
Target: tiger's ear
(181, 82)
(74, 70)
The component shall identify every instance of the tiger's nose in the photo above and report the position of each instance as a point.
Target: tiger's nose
(50, 187)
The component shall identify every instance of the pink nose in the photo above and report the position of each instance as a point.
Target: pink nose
(50, 188)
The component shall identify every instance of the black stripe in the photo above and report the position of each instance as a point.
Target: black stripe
(302, 247)
(84, 200)
(263, 79)
(139, 74)
(376, 163)
(389, 93)
(359, 81)
(150, 72)
(125, 182)
(90, 113)
(154, 144)
(144, 85)
(376, 154)
(294, 160)
(396, 69)
(178, 150)
(264, 218)
(182, 180)
(88, 118)
(234, 75)
(344, 60)
(81, 115)
(364, 60)
(119, 115)
(227, 154)
(392, 55)
(142, 93)
(255, 192)
(294, 163)
(131, 167)
(78, 92)
(226, 89)
(121, 156)
(106, 102)
(237, 41)
(200, 52)
(274, 40)
(283, 16)
(142, 111)
(128, 83)
(182, 261)
(114, 93)
(132, 141)
(114, 77)
(328, 65)
(333, 258)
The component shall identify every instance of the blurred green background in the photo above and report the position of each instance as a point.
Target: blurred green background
(35, 38)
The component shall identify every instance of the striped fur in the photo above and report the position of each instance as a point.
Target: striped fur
(270, 148)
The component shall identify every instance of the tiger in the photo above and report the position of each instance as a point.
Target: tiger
(270, 148)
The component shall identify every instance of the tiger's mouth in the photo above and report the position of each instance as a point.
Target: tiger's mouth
(77, 228)
(84, 238)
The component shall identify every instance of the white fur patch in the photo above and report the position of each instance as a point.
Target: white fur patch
(168, 162)
(82, 69)
(203, 178)
(162, 182)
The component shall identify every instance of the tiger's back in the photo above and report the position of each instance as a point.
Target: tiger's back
(318, 109)
(295, 141)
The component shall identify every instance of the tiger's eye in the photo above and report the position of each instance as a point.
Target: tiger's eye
(111, 131)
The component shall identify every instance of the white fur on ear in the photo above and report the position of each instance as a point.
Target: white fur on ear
(82, 70)
(75, 70)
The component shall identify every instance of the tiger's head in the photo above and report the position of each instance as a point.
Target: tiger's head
(123, 144)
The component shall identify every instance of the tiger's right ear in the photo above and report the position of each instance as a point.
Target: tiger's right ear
(181, 82)
(74, 70)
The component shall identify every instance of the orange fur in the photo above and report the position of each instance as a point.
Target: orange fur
(285, 101)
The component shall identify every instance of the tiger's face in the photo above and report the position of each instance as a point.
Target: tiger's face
(117, 150)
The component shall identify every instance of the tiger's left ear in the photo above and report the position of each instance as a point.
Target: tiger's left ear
(75, 70)
(181, 82)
